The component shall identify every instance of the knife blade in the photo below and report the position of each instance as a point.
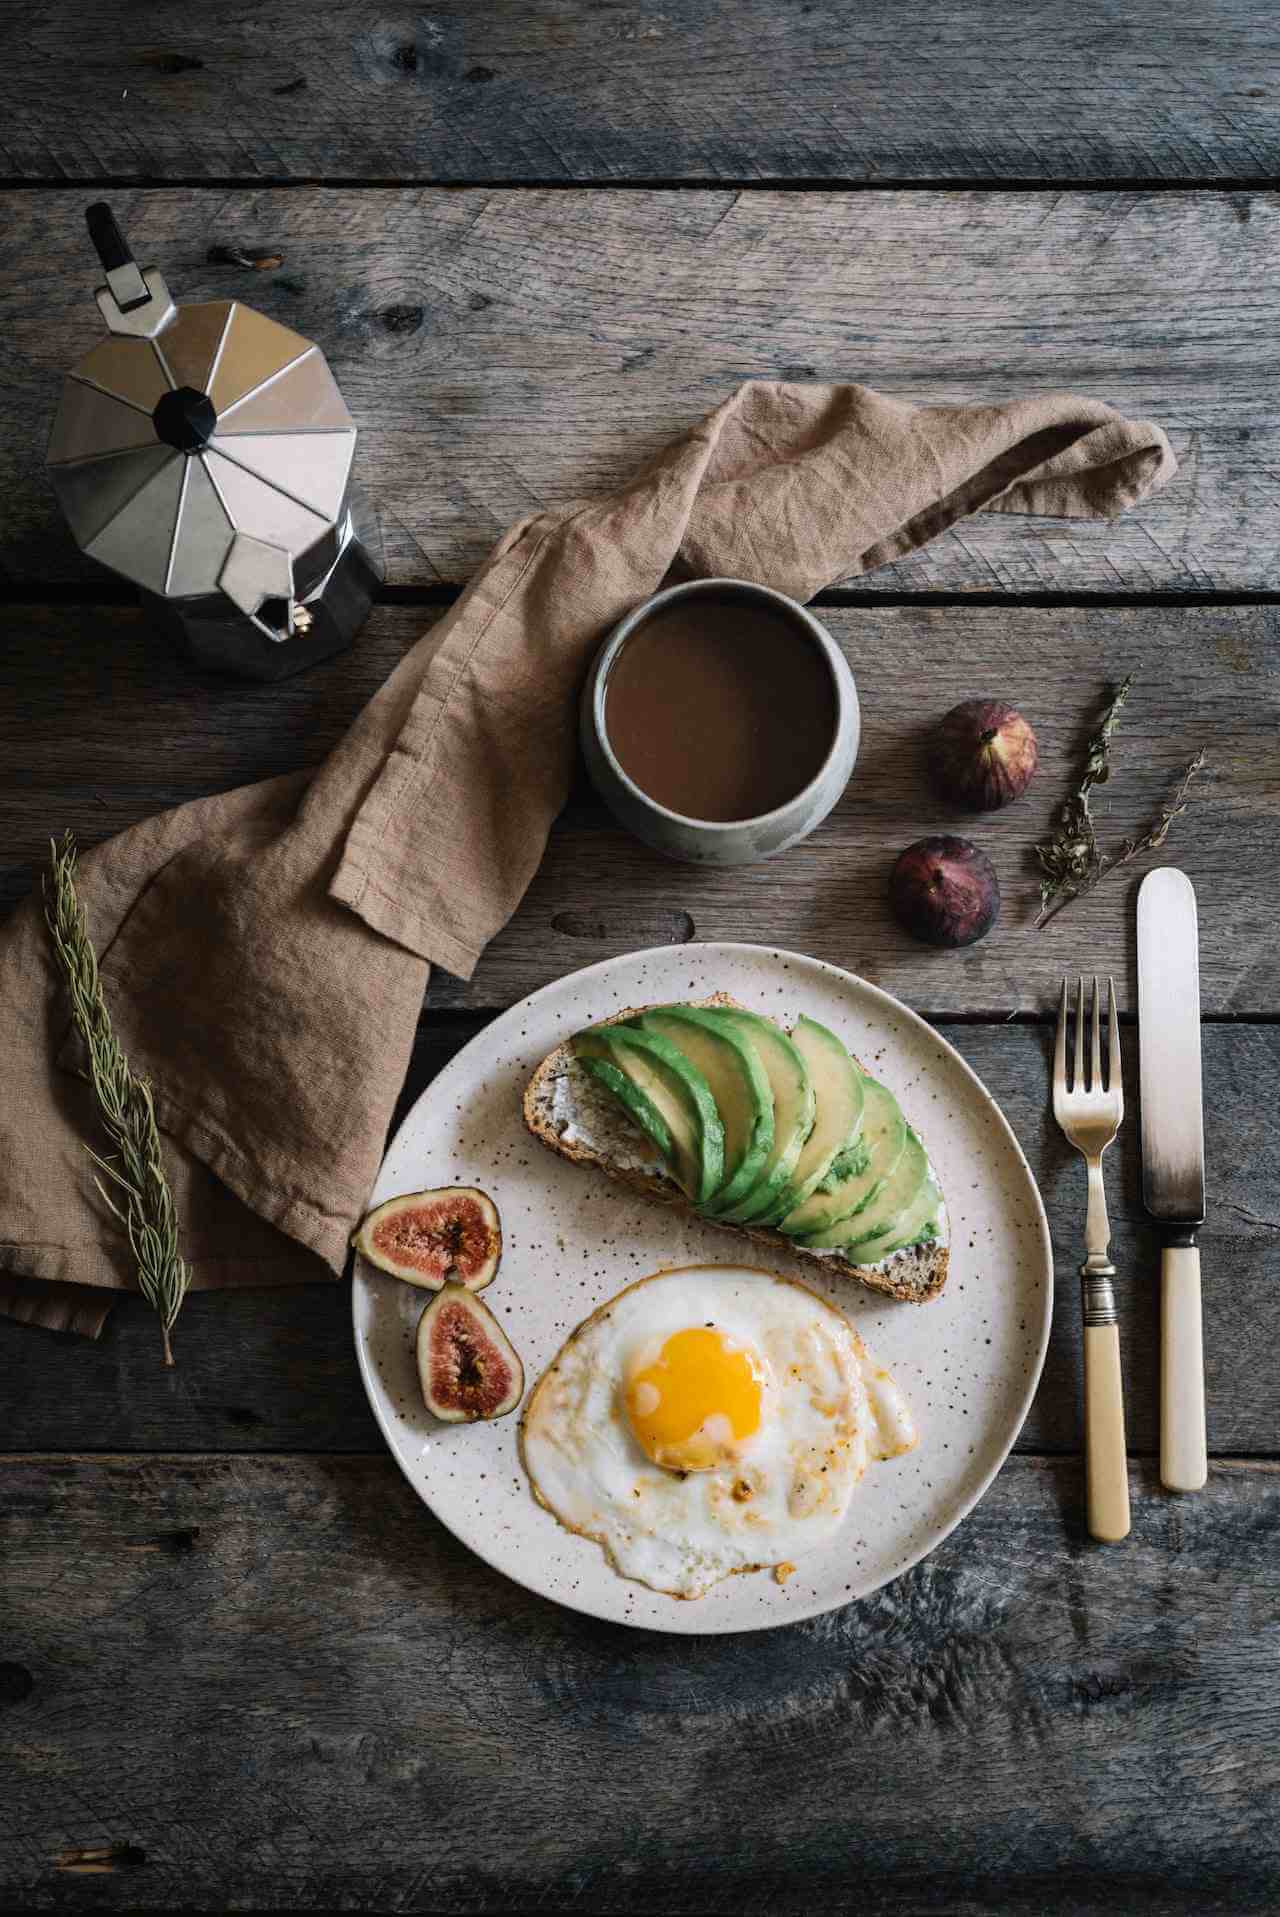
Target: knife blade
(1173, 1182)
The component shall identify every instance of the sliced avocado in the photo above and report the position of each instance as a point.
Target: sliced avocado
(870, 1230)
(794, 1107)
(637, 1105)
(666, 1085)
(879, 1221)
(917, 1225)
(743, 1095)
(856, 1176)
(840, 1094)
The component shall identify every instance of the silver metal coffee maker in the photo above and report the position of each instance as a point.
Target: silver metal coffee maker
(204, 452)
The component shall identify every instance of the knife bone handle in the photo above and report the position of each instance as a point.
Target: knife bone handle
(1184, 1464)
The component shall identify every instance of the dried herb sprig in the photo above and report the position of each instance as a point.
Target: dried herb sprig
(136, 1168)
(1069, 857)
(1152, 839)
(1172, 809)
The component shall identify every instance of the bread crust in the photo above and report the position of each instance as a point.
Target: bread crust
(915, 1274)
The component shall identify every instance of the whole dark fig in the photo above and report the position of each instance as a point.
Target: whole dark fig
(985, 754)
(944, 891)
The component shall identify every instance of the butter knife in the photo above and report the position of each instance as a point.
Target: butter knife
(1173, 1157)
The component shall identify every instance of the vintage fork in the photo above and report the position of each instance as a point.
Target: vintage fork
(1090, 1115)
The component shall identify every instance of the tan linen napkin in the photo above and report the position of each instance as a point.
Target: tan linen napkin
(265, 952)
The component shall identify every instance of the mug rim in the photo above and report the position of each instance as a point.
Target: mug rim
(832, 658)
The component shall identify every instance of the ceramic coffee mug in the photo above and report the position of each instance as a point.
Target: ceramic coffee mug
(735, 841)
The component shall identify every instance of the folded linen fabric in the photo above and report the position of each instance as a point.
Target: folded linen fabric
(265, 952)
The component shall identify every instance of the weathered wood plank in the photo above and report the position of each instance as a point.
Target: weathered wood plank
(702, 89)
(598, 889)
(99, 726)
(278, 1684)
(273, 1370)
(509, 350)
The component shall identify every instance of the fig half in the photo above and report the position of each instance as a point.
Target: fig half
(427, 1237)
(466, 1363)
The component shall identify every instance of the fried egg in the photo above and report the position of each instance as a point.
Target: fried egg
(706, 1422)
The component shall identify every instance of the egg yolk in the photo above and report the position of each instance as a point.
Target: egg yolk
(691, 1408)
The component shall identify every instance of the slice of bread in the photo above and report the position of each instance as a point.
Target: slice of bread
(571, 1115)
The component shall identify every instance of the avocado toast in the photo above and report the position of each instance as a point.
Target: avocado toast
(781, 1137)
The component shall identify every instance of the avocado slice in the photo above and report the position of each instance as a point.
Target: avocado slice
(840, 1094)
(856, 1175)
(794, 1109)
(638, 1106)
(918, 1223)
(739, 1086)
(870, 1230)
(661, 1085)
(893, 1205)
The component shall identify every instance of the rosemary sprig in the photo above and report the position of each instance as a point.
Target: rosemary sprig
(136, 1169)
(1152, 839)
(1069, 857)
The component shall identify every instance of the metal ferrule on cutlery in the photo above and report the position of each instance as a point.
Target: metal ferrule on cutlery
(1098, 1293)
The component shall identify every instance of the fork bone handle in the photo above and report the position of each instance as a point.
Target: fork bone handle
(1184, 1464)
(1105, 1454)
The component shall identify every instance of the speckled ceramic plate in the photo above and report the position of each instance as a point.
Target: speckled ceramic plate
(969, 1361)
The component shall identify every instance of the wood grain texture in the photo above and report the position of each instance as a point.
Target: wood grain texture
(278, 1684)
(100, 726)
(273, 1370)
(505, 351)
(255, 1680)
(702, 89)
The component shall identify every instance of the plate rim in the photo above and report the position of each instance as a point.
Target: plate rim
(843, 976)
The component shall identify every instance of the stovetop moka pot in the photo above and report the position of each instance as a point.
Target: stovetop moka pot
(204, 452)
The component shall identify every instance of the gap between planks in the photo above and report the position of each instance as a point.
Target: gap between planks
(710, 183)
(88, 593)
(1243, 1460)
(436, 1018)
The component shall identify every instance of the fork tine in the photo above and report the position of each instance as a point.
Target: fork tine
(1113, 1040)
(1095, 1061)
(1060, 1047)
(1078, 1085)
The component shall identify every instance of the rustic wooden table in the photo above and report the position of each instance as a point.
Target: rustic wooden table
(240, 1665)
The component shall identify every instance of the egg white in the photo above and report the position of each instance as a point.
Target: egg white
(826, 1410)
